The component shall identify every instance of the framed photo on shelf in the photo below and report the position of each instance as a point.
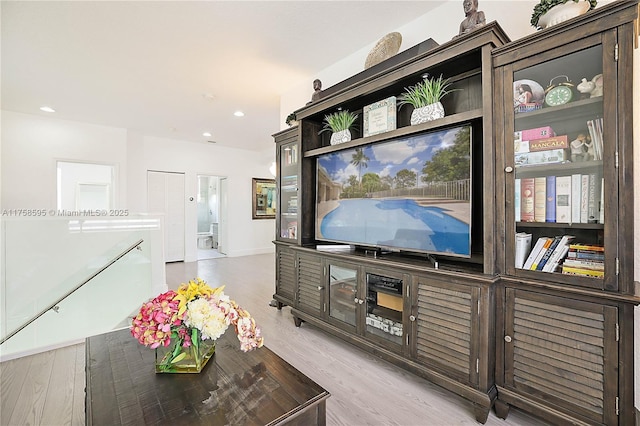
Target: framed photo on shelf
(264, 198)
(379, 117)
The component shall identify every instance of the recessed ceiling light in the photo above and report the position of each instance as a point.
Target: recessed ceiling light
(206, 134)
(239, 114)
(47, 109)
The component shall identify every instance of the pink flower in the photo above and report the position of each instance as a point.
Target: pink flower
(152, 326)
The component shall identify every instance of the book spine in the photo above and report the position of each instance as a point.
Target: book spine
(541, 157)
(559, 256)
(599, 142)
(523, 245)
(527, 196)
(602, 200)
(558, 142)
(516, 199)
(587, 247)
(543, 250)
(563, 199)
(550, 207)
(593, 211)
(585, 264)
(534, 253)
(548, 253)
(584, 199)
(540, 199)
(586, 256)
(533, 134)
(576, 185)
(568, 270)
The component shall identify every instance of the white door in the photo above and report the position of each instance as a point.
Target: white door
(166, 195)
(222, 229)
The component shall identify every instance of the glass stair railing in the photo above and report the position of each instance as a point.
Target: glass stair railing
(64, 279)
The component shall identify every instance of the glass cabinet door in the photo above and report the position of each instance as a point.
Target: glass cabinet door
(384, 307)
(343, 284)
(288, 174)
(560, 140)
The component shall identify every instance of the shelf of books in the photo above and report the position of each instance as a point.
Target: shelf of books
(558, 150)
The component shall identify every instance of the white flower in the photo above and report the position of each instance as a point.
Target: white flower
(206, 316)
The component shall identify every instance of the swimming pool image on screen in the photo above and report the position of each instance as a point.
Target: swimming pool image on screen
(398, 223)
(411, 194)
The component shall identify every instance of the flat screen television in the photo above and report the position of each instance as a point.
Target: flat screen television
(411, 194)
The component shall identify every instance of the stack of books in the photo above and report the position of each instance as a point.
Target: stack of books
(548, 253)
(585, 260)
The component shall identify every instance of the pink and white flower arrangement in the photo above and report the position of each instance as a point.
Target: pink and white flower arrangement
(174, 316)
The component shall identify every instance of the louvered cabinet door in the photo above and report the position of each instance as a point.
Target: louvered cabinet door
(285, 274)
(445, 328)
(310, 284)
(563, 353)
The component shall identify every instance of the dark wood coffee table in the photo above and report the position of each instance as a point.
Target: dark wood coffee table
(234, 388)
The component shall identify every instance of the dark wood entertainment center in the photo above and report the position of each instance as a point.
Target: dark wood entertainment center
(559, 346)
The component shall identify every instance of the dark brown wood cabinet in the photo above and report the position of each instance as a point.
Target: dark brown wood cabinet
(437, 324)
(413, 311)
(557, 345)
(286, 279)
(564, 333)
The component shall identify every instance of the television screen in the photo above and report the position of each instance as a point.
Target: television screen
(411, 194)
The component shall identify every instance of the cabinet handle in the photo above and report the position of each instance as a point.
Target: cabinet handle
(320, 287)
(508, 169)
(361, 301)
(356, 300)
(507, 339)
(412, 317)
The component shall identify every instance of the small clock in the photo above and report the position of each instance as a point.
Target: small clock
(560, 93)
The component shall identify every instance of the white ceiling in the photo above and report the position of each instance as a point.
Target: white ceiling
(175, 69)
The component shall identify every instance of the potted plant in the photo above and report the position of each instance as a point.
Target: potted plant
(340, 124)
(291, 120)
(425, 98)
(543, 15)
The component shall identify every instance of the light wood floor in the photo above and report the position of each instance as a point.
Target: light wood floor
(48, 388)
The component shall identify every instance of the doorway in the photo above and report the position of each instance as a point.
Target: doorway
(85, 186)
(209, 217)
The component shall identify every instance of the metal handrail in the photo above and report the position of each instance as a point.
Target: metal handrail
(54, 306)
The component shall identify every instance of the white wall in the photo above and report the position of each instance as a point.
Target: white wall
(246, 236)
(32, 144)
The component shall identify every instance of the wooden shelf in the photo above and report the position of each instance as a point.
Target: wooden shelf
(449, 120)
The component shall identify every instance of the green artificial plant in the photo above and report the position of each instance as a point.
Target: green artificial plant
(338, 121)
(427, 92)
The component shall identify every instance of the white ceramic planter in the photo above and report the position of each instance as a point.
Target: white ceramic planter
(563, 12)
(340, 137)
(427, 113)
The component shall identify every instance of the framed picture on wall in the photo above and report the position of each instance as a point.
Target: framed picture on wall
(264, 198)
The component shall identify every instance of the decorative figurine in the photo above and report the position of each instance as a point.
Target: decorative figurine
(585, 88)
(597, 90)
(580, 147)
(473, 17)
(317, 88)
